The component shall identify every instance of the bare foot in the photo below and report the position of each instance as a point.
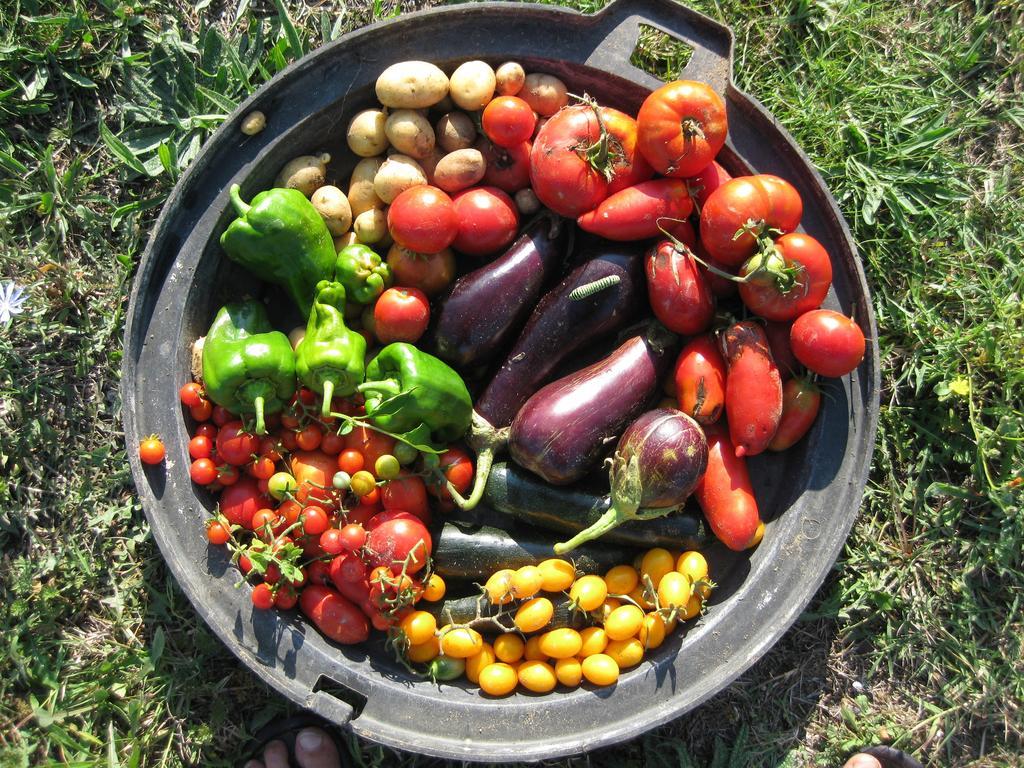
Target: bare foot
(313, 749)
(857, 761)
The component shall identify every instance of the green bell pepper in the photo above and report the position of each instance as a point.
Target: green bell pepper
(248, 367)
(282, 239)
(360, 269)
(330, 357)
(415, 395)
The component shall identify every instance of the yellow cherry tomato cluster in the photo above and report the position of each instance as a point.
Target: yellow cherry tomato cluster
(633, 607)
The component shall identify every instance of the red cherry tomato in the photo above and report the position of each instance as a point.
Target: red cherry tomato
(508, 121)
(332, 444)
(262, 597)
(222, 416)
(309, 437)
(202, 411)
(217, 533)
(206, 430)
(200, 447)
(236, 446)
(678, 294)
(487, 221)
(422, 219)
(681, 127)
(315, 521)
(401, 314)
(347, 569)
(203, 471)
(788, 280)
(151, 450)
(286, 598)
(508, 169)
(353, 537)
(239, 502)
(350, 461)
(457, 467)
(190, 394)
(827, 342)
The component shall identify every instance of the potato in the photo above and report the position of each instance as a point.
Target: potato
(410, 133)
(429, 164)
(397, 174)
(445, 105)
(411, 85)
(370, 226)
(509, 78)
(459, 169)
(344, 241)
(366, 135)
(455, 131)
(253, 123)
(546, 94)
(196, 359)
(361, 196)
(472, 85)
(333, 208)
(306, 173)
(527, 202)
(296, 335)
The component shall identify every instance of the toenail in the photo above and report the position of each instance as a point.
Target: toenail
(310, 740)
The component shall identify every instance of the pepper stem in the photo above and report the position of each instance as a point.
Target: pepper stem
(325, 407)
(385, 386)
(261, 426)
(485, 440)
(241, 206)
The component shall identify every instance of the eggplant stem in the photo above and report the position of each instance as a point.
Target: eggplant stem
(613, 518)
(485, 440)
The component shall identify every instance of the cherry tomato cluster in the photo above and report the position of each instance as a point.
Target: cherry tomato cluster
(323, 514)
(606, 624)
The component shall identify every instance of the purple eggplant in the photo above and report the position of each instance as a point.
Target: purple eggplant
(484, 308)
(561, 323)
(657, 464)
(563, 429)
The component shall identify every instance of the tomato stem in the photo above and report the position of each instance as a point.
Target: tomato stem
(692, 129)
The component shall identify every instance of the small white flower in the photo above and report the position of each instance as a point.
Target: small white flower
(11, 298)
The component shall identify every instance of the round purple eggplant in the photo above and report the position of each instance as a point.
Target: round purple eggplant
(657, 464)
(564, 428)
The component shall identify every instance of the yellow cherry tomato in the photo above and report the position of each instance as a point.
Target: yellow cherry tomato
(434, 589)
(499, 587)
(692, 608)
(558, 574)
(627, 653)
(656, 563)
(527, 582)
(569, 672)
(561, 643)
(640, 596)
(606, 608)
(532, 652)
(537, 676)
(694, 565)
(588, 592)
(652, 631)
(675, 590)
(476, 663)
(625, 621)
(671, 624)
(600, 669)
(498, 679)
(509, 647)
(534, 614)
(758, 536)
(424, 652)
(419, 627)
(460, 642)
(621, 580)
(594, 641)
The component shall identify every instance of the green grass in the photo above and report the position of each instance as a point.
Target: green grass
(914, 115)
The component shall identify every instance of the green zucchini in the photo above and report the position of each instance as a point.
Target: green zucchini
(475, 551)
(523, 496)
(477, 611)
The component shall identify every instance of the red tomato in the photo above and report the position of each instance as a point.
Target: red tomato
(679, 295)
(221, 416)
(217, 533)
(782, 353)
(699, 376)
(801, 400)
(636, 213)
(457, 468)
(743, 209)
(508, 169)
(369, 444)
(707, 181)
(315, 521)
(286, 598)
(331, 542)
(347, 569)
(726, 495)
(317, 572)
(787, 280)
(406, 492)
(206, 430)
(681, 127)
(353, 537)
(190, 394)
(262, 597)
(332, 443)
(202, 410)
(239, 502)
(363, 513)
(314, 471)
(629, 167)
(399, 542)
(430, 272)
(401, 314)
(151, 450)
(236, 446)
(827, 342)
(349, 460)
(570, 160)
(203, 471)
(722, 287)
(753, 388)
(422, 219)
(334, 615)
(488, 220)
(508, 121)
